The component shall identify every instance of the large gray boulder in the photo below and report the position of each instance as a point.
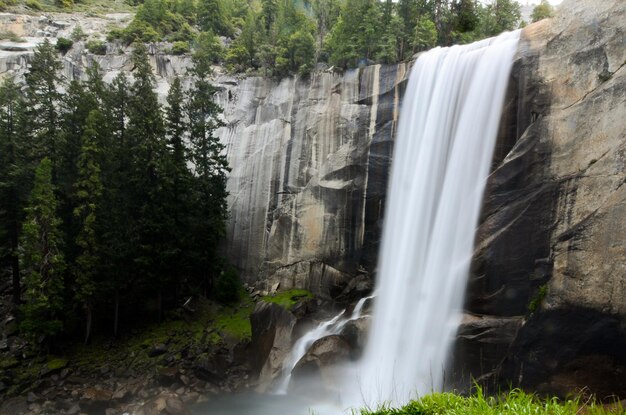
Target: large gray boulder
(320, 365)
(272, 326)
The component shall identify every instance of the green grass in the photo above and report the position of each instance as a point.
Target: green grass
(515, 402)
(288, 299)
(235, 322)
(56, 363)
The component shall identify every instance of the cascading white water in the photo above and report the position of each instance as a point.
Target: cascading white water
(327, 328)
(447, 131)
(448, 126)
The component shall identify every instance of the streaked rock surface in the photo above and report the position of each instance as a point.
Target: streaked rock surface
(309, 162)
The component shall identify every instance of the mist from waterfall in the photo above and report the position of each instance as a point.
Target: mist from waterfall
(448, 127)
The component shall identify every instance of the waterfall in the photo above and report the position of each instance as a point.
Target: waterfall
(333, 326)
(448, 126)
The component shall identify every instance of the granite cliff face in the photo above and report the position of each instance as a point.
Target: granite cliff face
(309, 162)
(549, 275)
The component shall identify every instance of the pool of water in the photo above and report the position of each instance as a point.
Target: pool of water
(250, 403)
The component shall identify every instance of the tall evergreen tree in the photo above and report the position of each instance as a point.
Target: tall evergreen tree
(43, 97)
(117, 236)
(178, 186)
(15, 175)
(88, 189)
(211, 166)
(146, 133)
(42, 258)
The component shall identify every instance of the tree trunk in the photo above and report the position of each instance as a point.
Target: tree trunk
(116, 312)
(15, 265)
(160, 305)
(88, 314)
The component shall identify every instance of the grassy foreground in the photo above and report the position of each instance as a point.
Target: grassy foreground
(515, 402)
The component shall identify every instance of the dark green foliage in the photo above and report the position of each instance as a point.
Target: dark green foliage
(116, 215)
(228, 287)
(97, 47)
(279, 38)
(212, 17)
(538, 298)
(33, 4)
(43, 100)
(63, 44)
(206, 152)
(42, 258)
(542, 11)
(180, 48)
(88, 188)
(15, 176)
(499, 16)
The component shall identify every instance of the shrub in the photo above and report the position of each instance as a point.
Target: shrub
(78, 34)
(65, 4)
(180, 48)
(63, 45)
(228, 286)
(33, 4)
(97, 47)
(115, 34)
(140, 31)
(12, 36)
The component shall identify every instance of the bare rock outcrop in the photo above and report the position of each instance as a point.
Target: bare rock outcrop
(551, 246)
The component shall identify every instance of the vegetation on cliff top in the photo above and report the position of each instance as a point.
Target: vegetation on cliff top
(515, 402)
(281, 37)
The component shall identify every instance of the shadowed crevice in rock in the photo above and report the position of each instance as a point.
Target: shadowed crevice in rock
(569, 349)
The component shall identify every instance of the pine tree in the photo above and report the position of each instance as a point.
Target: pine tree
(43, 98)
(211, 166)
(542, 11)
(212, 17)
(42, 258)
(146, 134)
(178, 186)
(15, 177)
(117, 208)
(88, 194)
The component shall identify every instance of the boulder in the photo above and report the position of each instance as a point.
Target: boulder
(157, 350)
(358, 287)
(14, 406)
(355, 334)
(168, 375)
(321, 359)
(482, 343)
(272, 328)
(164, 404)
